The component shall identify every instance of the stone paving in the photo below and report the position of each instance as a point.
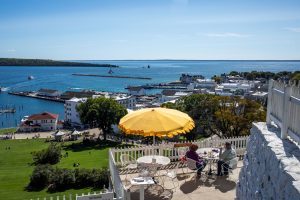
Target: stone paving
(189, 187)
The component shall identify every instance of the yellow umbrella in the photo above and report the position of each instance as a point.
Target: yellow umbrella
(160, 122)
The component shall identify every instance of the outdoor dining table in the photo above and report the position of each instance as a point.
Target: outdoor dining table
(160, 160)
(209, 155)
(154, 159)
(142, 181)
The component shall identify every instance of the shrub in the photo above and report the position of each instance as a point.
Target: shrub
(40, 177)
(61, 179)
(51, 155)
(57, 179)
(96, 178)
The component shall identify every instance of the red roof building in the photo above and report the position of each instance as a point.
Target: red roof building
(40, 122)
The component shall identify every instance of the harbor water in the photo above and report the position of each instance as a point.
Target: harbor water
(61, 78)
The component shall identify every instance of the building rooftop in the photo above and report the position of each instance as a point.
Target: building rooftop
(44, 115)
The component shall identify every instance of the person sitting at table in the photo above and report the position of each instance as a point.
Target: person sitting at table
(225, 157)
(192, 154)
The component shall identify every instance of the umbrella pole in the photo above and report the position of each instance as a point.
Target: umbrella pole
(153, 139)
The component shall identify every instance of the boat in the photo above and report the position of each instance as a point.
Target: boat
(110, 71)
(25, 118)
(30, 77)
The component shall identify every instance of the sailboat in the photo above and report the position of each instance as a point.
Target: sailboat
(110, 71)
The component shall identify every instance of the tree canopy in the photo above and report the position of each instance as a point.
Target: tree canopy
(223, 116)
(102, 113)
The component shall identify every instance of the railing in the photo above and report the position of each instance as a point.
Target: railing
(171, 149)
(95, 195)
(118, 187)
(284, 109)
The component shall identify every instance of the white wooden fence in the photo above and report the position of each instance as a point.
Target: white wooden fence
(118, 187)
(171, 149)
(95, 196)
(284, 109)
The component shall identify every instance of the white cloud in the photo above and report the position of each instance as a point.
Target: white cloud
(237, 35)
(11, 50)
(294, 29)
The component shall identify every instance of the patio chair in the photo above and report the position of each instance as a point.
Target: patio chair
(181, 151)
(192, 164)
(172, 176)
(128, 163)
(230, 165)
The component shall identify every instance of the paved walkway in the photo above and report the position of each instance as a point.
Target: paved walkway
(47, 134)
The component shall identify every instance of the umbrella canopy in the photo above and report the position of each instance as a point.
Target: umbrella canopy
(160, 122)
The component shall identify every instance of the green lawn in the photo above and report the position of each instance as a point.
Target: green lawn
(7, 130)
(15, 166)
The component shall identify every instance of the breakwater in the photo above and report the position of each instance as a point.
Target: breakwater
(114, 76)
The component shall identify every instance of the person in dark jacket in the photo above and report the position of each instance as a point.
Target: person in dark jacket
(192, 154)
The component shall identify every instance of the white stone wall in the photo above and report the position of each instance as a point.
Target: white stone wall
(271, 166)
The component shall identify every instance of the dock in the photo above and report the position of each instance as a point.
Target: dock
(33, 95)
(10, 110)
(113, 76)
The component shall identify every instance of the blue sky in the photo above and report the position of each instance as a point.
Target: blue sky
(153, 29)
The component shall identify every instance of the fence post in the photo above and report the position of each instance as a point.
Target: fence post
(286, 111)
(269, 107)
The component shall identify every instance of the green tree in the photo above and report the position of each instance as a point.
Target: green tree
(223, 116)
(51, 155)
(234, 116)
(217, 79)
(102, 113)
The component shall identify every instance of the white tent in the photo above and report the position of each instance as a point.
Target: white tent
(59, 133)
(75, 132)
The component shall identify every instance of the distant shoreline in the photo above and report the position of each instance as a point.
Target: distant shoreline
(161, 60)
(18, 62)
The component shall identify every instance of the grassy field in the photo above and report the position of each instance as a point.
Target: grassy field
(16, 159)
(7, 130)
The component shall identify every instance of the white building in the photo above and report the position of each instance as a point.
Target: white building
(71, 114)
(39, 122)
(138, 91)
(128, 102)
(206, 83)
(169, 95)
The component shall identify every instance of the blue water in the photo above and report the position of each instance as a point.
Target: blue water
(15, 79)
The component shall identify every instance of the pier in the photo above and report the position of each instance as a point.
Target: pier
(34, 95)
(113, 76)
